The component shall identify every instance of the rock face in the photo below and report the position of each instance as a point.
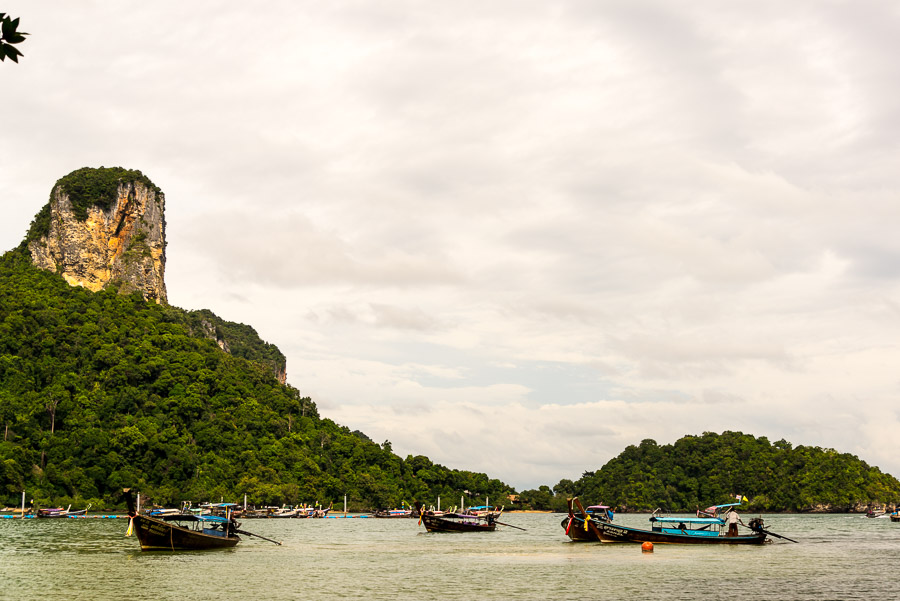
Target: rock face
(122, 241)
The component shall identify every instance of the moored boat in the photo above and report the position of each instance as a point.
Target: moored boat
(59, 512)
(458, 523)
(181, 531)
(287, 512)
(578, 527)
(394, 513)
(664, 529)
(895, 517)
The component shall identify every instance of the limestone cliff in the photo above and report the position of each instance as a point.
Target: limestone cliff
(104, 227)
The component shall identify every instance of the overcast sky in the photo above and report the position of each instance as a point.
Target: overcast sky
(513, 236)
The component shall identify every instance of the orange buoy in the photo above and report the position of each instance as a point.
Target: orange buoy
(647, 547)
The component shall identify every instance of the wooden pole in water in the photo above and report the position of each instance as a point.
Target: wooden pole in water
(23, 504)
(139, 502)
(345, 505)
(245, 502)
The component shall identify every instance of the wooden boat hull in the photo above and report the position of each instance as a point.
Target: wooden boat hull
(439, 524)
(574, 527)
(157, 535)
(895, 517)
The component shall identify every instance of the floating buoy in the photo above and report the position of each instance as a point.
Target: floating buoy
(647, 547)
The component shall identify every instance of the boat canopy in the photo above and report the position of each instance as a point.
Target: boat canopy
(598, 507)
(688, 520)
(212, 518)
(190, 517)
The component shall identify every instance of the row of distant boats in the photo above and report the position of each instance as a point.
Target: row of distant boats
(215, 525)
(895, 516)
(45, 512)
(233, 509)
(268, 512)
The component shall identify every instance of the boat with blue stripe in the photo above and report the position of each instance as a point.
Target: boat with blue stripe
(702, 529)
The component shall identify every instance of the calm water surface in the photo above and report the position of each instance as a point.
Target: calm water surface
(838, 557)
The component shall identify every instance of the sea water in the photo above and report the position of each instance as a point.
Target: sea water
(837, 557)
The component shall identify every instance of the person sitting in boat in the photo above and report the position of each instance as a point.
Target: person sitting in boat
(733, 519)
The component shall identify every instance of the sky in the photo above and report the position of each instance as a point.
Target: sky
(513, 236)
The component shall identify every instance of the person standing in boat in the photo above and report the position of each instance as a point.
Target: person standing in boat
(733, 519)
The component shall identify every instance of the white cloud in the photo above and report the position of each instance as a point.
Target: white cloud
(559, 228)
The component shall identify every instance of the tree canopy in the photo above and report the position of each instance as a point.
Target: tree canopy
(100, 391)
(698, 471)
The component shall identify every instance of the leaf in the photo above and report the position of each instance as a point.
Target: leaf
(10, 34)
(12, 53)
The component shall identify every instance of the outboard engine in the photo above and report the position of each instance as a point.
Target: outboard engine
(756, 524)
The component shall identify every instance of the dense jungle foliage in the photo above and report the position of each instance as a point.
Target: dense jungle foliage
(100, 391)
(698, 471)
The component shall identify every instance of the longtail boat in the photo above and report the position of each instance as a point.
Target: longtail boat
(578, 527)
(393, 513)
(59, 512)
(457, 523)
(681, 530)
(287, 512)
(181, 531)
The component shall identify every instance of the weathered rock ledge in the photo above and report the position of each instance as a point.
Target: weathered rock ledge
(122, 244)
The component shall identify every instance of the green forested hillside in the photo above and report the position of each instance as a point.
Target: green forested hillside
(698, 471)
(99, 391)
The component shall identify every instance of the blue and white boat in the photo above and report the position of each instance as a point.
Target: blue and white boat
(710, 528)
